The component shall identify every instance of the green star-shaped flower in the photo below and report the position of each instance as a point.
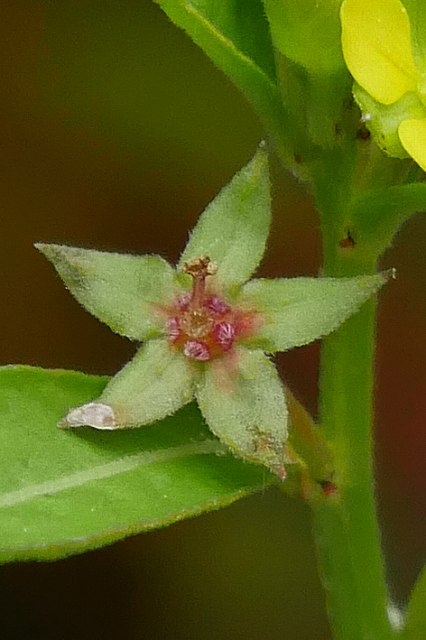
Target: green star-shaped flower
(207, 330)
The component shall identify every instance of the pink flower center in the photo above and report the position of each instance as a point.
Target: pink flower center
(201, 323)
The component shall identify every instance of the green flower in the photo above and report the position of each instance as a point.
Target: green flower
(387, 59)
(207, 332)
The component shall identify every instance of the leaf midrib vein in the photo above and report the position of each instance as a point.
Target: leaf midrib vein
(107, 470)
(228, 43)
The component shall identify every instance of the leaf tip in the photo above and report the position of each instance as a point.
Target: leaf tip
(40, 246)
(375, 282)
(383, 277)
(48, 249)
(260, 158)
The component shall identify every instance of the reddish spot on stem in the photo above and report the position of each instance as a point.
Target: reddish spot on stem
(329, 488)
(348, 242)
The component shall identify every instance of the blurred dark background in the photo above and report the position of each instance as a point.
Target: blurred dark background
(115, 132)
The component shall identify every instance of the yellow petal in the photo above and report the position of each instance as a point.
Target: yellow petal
(377, 47)
(412, 134)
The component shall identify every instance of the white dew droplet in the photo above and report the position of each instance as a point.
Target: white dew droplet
(92, 414)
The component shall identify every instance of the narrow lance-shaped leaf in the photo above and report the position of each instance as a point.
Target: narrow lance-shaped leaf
(234, 228)
(307, 32)
(65, 492)
(120, 290)
(235, 35)
(314, 80)
(379, 213)
(297, 311)
(238, 25)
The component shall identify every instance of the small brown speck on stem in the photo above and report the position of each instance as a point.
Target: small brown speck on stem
(348, 242)
(329, 488)
(363, 133)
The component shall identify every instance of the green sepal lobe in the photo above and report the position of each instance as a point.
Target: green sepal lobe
(244, 405)
(296, 311)
(121, 290)
(233, 229)
(154, 384)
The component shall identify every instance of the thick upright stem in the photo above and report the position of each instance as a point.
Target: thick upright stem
(345, 525)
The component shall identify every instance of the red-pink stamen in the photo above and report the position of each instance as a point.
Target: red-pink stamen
(224, 334)
(173, 329)
(196, 350)
(217, 305)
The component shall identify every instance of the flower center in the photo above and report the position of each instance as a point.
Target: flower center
(201, 324)
(197, 323)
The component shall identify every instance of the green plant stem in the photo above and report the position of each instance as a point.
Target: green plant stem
(345, 525)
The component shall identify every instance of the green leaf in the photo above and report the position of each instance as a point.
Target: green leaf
(416, 612)
(245, 407)
(156, 383)
(64, 492)
(297, 311)
(120, 290)
(234, 228)
(377, 214)
(235, 35)
(417, 14)
(313, 78)
(241, 23)
(307, 32)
